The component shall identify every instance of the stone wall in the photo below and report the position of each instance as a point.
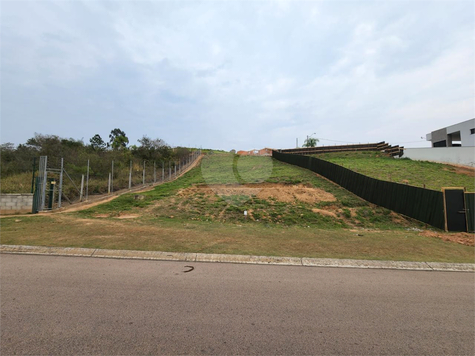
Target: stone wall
(16, 201)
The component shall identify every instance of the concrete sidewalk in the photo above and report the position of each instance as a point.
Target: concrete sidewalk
(249, 259)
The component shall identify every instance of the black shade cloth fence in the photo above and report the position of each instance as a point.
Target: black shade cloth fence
(470, 208)
(418, 203)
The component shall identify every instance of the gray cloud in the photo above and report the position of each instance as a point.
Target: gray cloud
(236, 74)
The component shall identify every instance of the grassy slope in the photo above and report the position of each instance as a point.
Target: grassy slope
(416, 173)
(190, 230)
(350, 210)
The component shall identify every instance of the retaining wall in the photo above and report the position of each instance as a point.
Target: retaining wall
(16, 201)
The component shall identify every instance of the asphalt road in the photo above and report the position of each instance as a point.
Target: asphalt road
(72, 305)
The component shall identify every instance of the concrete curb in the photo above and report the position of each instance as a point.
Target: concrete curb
(267, 260)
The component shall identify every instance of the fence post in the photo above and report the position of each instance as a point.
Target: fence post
(82, 187)
(143, 174)
(87, 181)
(130, 175)
(163, 171)
(33, 177)
(154, 172)
(60, 184)
(42, 175)
(109, 185)
(175, 170)
(112, 177)
(169, 171)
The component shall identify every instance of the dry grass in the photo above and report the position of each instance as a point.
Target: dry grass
(19, 183)
(173, 235)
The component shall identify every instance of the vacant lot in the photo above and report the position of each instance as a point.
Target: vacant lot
(271, 192)
(290, 212)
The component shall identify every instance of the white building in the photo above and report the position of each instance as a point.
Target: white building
(453, 144)
(458, 135)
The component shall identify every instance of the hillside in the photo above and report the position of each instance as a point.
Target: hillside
(402, 170)
(271, 192)
(291, 212)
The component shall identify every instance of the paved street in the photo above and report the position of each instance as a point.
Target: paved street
(74, 305)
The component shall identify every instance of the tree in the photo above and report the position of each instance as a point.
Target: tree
(97, 143)
(181, 152)
(7, 151)
(118, 139)
(46, 145)
(151, 150)
(310, 142)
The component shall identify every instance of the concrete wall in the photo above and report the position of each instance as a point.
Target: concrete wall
(457, 155)
(16, 201)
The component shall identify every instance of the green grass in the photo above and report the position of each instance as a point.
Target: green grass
(151, 234)
(127, 202)
(349, 211)
(204, 221)
(402, 170)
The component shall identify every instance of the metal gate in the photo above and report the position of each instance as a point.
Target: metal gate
(45, 187)
(454, 209)
(470, 209)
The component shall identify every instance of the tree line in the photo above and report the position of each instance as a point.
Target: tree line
(76, 153)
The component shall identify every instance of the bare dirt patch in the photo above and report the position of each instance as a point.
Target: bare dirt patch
(460, 169)
(399, 219)
(15, 212)
(325, 212)
(128, 216)
(280, 192)
(463, 238)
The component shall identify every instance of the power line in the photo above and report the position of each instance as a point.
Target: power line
(412, 142)
(326, 139)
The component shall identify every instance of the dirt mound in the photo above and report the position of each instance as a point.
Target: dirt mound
(463, 238)
(280, 192)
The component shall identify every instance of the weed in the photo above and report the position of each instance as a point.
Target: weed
(346, 213)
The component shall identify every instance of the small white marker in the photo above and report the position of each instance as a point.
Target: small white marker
(245, 212)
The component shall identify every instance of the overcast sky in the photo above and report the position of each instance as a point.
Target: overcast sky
(236, 74)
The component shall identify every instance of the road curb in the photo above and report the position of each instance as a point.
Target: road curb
(246, 259)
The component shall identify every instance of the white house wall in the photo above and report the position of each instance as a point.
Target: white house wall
(464, 128)
(456, 155)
